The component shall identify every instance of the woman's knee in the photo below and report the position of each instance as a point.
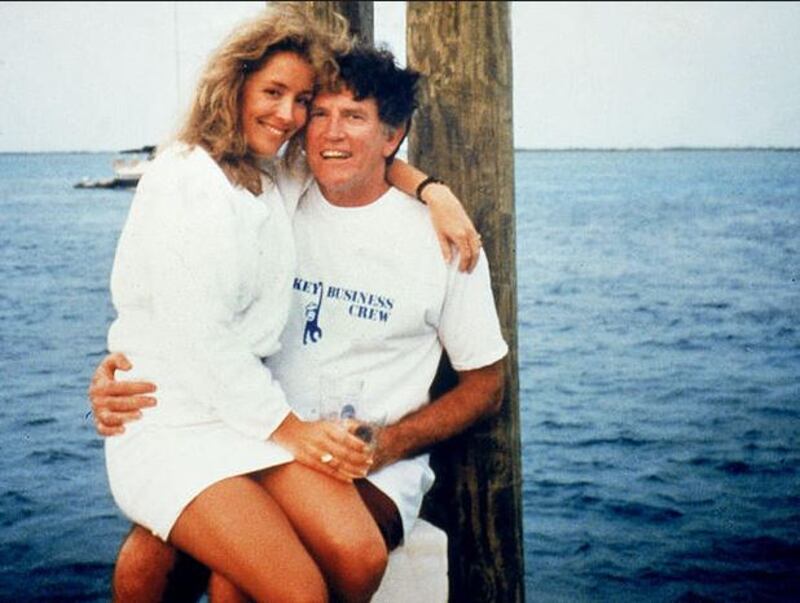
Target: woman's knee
(359, 565)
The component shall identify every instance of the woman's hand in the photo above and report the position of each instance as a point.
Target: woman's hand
(453, 226)
(326, 446)
(114, 403)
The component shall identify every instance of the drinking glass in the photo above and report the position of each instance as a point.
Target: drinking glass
(341, 398)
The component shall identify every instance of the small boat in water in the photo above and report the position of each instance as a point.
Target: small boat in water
(127, 171)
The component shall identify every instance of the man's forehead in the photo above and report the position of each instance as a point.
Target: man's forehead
(343, 97)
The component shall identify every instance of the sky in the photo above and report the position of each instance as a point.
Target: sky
(107, 76)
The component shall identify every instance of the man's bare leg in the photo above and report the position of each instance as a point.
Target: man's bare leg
(148, 570)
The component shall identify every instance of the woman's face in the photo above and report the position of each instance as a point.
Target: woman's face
(275, 102)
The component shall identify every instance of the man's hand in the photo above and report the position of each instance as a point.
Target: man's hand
(114, 403)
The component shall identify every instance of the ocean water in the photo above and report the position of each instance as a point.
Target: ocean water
(659, 330)
(659, 308)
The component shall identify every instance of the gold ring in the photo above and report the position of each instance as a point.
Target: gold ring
(326, 458)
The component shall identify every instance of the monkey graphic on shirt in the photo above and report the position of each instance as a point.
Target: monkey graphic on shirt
(313, 330)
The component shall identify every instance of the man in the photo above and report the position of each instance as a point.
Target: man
(372, 300)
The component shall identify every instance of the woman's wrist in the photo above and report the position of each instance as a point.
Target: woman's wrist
(426, 190)
(286, 431)
(437, 193)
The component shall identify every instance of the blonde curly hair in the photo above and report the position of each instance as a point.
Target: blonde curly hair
(214, 121)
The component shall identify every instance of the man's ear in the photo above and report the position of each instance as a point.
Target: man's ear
(394, 138)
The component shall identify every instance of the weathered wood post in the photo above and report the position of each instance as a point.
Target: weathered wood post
(358, 13)
(463, 134)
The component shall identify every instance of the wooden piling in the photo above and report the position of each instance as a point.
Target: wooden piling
(462, 133)
(359, 14)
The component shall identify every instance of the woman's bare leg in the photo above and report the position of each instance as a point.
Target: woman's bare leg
(335, 526)
(222, 590)
(238, 530)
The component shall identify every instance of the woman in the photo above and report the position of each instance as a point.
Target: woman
(201, 282)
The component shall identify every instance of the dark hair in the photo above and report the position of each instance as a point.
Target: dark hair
(372, 73)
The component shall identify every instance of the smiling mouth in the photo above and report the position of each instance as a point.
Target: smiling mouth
(270, 128)
(335, 155)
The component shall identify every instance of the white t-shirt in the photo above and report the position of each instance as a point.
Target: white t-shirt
(374, 299)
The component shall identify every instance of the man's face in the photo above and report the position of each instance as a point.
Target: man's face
(347, 146)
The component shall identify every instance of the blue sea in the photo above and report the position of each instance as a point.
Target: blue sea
(659, 332)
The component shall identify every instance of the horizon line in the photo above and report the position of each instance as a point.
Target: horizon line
(569, 149)
(656, 149)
